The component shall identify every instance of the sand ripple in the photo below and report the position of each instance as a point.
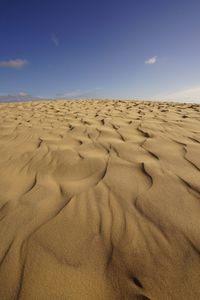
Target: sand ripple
(99, 200)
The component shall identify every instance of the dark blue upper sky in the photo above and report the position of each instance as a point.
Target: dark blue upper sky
(85, 48)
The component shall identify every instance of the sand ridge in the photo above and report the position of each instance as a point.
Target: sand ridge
(99, 200)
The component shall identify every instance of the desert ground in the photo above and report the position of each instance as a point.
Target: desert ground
(99, 200)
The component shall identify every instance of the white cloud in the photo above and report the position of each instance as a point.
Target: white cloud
(81, 93)
(191, 94)
(13, 63)
(23, 94)
(55, 40)
(151, 60)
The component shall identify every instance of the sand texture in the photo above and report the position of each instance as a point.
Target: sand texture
(99, 200)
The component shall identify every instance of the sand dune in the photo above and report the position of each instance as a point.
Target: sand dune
(99, 200)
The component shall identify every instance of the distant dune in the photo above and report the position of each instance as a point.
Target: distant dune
(99, 200)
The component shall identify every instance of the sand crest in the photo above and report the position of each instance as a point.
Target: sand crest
(99, 200)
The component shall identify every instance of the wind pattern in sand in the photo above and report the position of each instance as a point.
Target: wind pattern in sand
(99, 200)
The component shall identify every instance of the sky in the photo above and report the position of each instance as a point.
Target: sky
(128, 49)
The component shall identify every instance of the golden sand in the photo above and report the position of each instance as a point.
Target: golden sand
(99, 200)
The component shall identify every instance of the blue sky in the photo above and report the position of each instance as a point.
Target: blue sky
(108, 48)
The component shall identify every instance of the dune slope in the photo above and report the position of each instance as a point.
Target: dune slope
(99, 200)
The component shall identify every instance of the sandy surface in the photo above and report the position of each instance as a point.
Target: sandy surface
(99, 200)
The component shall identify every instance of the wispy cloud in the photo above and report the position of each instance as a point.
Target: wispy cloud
(13, 63)
(80, 94)
(23, 94)
(191, 94)
(151, 60)
(55, 40)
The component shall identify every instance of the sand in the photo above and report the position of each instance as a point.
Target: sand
(99, 200)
